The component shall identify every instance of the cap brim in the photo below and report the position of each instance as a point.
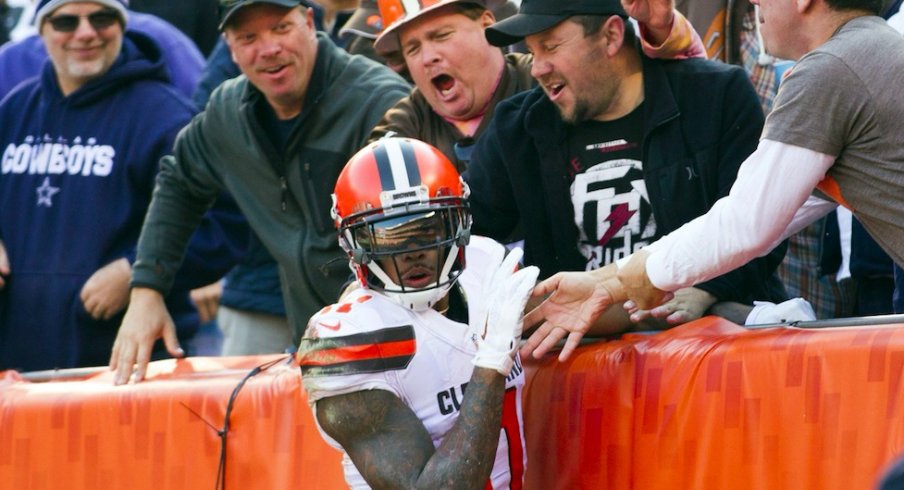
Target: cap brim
(227, 16)
(388, 41)
(516, 27)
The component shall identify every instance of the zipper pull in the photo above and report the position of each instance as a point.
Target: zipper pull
(284, 188)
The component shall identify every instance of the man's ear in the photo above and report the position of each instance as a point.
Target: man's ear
(487, 18)
(309, 17)
(613, 33)
(227, 40)
(804, 5)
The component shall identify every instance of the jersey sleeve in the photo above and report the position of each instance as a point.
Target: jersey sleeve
(349, 347)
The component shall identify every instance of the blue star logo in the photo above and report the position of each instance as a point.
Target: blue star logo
(45, 192)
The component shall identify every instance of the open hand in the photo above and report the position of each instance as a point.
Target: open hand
(497, 326)
(145, 321)
(655, 14)
(576, 300)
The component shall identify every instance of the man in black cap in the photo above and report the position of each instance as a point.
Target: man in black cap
(613, 150)
(276, 138)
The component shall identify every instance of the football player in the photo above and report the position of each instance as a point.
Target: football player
(415, 375)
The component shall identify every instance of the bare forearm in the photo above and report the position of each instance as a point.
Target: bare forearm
(392, 448)
(732, 311)
(466, 455)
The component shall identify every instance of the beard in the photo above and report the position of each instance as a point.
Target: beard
(584, 109)
(595, 92)
(86, 69)
(579, 113)
(596, 101)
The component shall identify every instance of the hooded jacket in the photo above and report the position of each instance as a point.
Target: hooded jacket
(76, 179)
(23, 59)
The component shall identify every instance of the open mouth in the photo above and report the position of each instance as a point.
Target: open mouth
(418, 277)
(554, 89)
(443, 83)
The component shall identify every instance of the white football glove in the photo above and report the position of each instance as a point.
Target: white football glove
(497, 326)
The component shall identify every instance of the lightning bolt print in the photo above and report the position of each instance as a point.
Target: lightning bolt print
(617, 219)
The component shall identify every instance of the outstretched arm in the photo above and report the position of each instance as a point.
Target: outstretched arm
(577, 299)
(656, 15)
(664, 32)
(181, 197)
(391, 447)
(764, 207)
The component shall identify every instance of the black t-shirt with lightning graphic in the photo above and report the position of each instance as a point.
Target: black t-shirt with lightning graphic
(611, 205)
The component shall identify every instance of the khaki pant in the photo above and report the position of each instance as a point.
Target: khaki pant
(249, 333)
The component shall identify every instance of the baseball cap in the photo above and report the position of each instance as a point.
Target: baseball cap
(539, 15)
(46, 7)
(228, 8)
(366, 21)
(397, 13)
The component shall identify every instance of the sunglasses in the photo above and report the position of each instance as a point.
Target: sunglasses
(99, 20)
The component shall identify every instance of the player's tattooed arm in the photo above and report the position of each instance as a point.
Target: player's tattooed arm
(391, 447)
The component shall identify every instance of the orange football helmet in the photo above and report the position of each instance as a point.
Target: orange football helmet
(396, 201)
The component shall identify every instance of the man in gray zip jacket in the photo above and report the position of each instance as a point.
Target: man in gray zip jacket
(276, 138)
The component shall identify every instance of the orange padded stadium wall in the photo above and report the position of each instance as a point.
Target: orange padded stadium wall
(708, 405)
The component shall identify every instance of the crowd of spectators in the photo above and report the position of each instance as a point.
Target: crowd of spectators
(167, 171)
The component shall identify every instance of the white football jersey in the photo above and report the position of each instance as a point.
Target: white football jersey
(370, 342)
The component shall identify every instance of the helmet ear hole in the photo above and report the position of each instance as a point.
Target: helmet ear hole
(359, 256)
(464, 237)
